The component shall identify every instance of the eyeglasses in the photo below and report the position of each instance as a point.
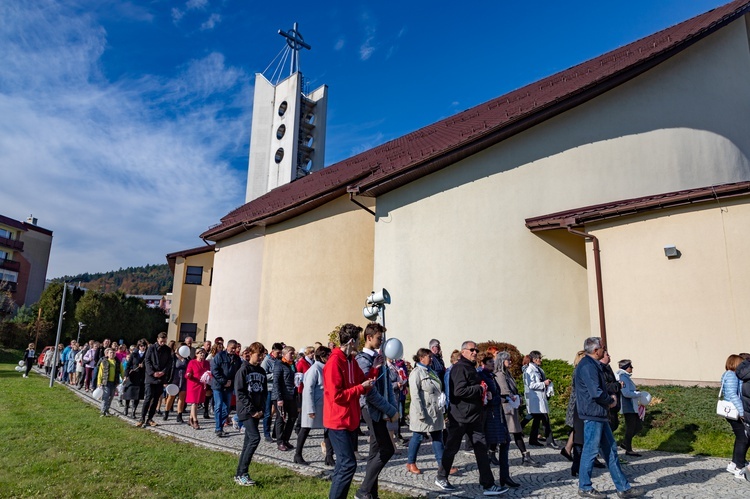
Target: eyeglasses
(473, 350)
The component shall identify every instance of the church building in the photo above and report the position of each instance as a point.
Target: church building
(609, 199)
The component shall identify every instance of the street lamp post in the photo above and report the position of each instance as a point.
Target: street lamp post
(80, 326)
(57, 338)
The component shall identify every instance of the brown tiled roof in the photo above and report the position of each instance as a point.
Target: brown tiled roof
(172, 257)
(441, 144)
(580, 216)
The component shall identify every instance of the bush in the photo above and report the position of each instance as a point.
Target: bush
(515, 355)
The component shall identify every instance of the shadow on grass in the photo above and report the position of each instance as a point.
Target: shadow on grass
(681, 440)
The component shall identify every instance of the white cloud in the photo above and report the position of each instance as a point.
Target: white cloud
(123, 172)
(339, 44)
(211, 22)
(177, 15)
(196, 4)
(367, 47)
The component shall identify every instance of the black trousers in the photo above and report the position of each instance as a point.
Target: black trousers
(284, 428)
(740, 442)
(151, 400)
(381, 451)
(456, 432)
(538, 419)
(252, 439)
(633, 425)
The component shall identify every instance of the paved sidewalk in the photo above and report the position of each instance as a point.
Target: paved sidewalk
(661, 474)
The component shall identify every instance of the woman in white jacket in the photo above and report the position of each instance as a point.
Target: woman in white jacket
(536, 385)
(311, 414)
(426, 409)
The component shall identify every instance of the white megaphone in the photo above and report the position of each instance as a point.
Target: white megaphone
(371, 313)
(379, 298)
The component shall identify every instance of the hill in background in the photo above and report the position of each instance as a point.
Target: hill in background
(146, 280)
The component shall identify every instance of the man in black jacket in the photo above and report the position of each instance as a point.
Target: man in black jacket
(466, 418)
(158, 361)
(224, 367)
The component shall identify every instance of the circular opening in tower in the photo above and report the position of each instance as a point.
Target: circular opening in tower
(282, 108)
(280, 131)
(279, 155)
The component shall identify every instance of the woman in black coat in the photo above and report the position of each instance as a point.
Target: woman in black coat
(135, 378)
(495, 427)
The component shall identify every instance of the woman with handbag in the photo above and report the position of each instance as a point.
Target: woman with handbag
(629, 407)
(731, 388)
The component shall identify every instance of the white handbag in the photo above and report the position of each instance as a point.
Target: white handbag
(725, 408)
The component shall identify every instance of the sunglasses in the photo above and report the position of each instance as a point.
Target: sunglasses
(474, 350)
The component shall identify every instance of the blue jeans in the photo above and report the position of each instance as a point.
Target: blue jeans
(344, 444)
(598, 435)
(267, 416)
(416, 440)
(221, 407)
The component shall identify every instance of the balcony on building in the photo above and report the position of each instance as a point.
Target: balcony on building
(13, 244)
(8, 264)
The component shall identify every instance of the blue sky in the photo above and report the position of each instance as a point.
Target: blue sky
(125, 125)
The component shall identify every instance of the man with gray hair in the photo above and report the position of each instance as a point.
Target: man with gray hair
(465, 418)
(593, 404)
(437, 364)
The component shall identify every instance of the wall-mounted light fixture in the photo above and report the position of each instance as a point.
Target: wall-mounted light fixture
(671, 251)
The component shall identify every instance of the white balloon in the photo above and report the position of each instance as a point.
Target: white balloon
(21, 363)
(19, 369)
(184, 351)
(644, 399)
(98, 393)
(393, 348)
(173, 390)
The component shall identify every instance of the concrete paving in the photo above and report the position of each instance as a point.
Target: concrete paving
(661, 474)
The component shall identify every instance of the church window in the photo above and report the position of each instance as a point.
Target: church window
(282, 108)
(280, 131)
(188, 329)
(194, 275)
(279, 155)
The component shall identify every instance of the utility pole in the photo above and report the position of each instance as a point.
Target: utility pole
(38, 321)
(57, 339)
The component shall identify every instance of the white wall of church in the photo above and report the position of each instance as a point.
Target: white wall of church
(235, 291)
(452, 247)
(678, 318)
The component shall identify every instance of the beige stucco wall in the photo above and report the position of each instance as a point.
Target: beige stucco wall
(294, 281)
(677, 318)
(452, 247)
(317, 271)
(190, 302)
(235, 298)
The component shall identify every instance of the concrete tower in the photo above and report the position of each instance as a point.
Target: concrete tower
(288, 134)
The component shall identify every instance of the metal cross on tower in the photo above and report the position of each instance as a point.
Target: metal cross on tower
(296, 43)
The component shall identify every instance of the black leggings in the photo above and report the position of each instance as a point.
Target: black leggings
(740, 443)
(518, 438)
(29, 364)
(538, 419)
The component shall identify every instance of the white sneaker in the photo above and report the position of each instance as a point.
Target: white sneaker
(739, 474)
(731, 467)
(27, 377)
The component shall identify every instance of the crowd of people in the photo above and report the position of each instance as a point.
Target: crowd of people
(335, 388)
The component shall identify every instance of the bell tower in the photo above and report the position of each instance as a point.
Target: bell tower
(287, 140)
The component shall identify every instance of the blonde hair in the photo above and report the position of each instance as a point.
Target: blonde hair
(581, 354)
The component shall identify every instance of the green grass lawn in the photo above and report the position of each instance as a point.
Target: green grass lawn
(55, 445)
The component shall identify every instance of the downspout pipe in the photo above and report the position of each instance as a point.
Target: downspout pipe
(352, 193)
(598, 273)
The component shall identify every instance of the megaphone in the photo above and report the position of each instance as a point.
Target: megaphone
(371, 313)
(379, 298)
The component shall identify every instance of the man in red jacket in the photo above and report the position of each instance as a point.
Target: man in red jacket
(343, 384)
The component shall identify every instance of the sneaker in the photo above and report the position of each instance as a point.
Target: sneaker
(631, 492)
(740, 473)
(495, 491)
(235, 424)
(244, 480)
(444, 484)
(731, 467)
(591, 493)
(27, 377)
(220, 434)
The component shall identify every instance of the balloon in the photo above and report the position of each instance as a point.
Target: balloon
(644, 399)
(393, 348)
(19, 369)
(173, 390)
(98, 393)
(21, 363)
(184, 351)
